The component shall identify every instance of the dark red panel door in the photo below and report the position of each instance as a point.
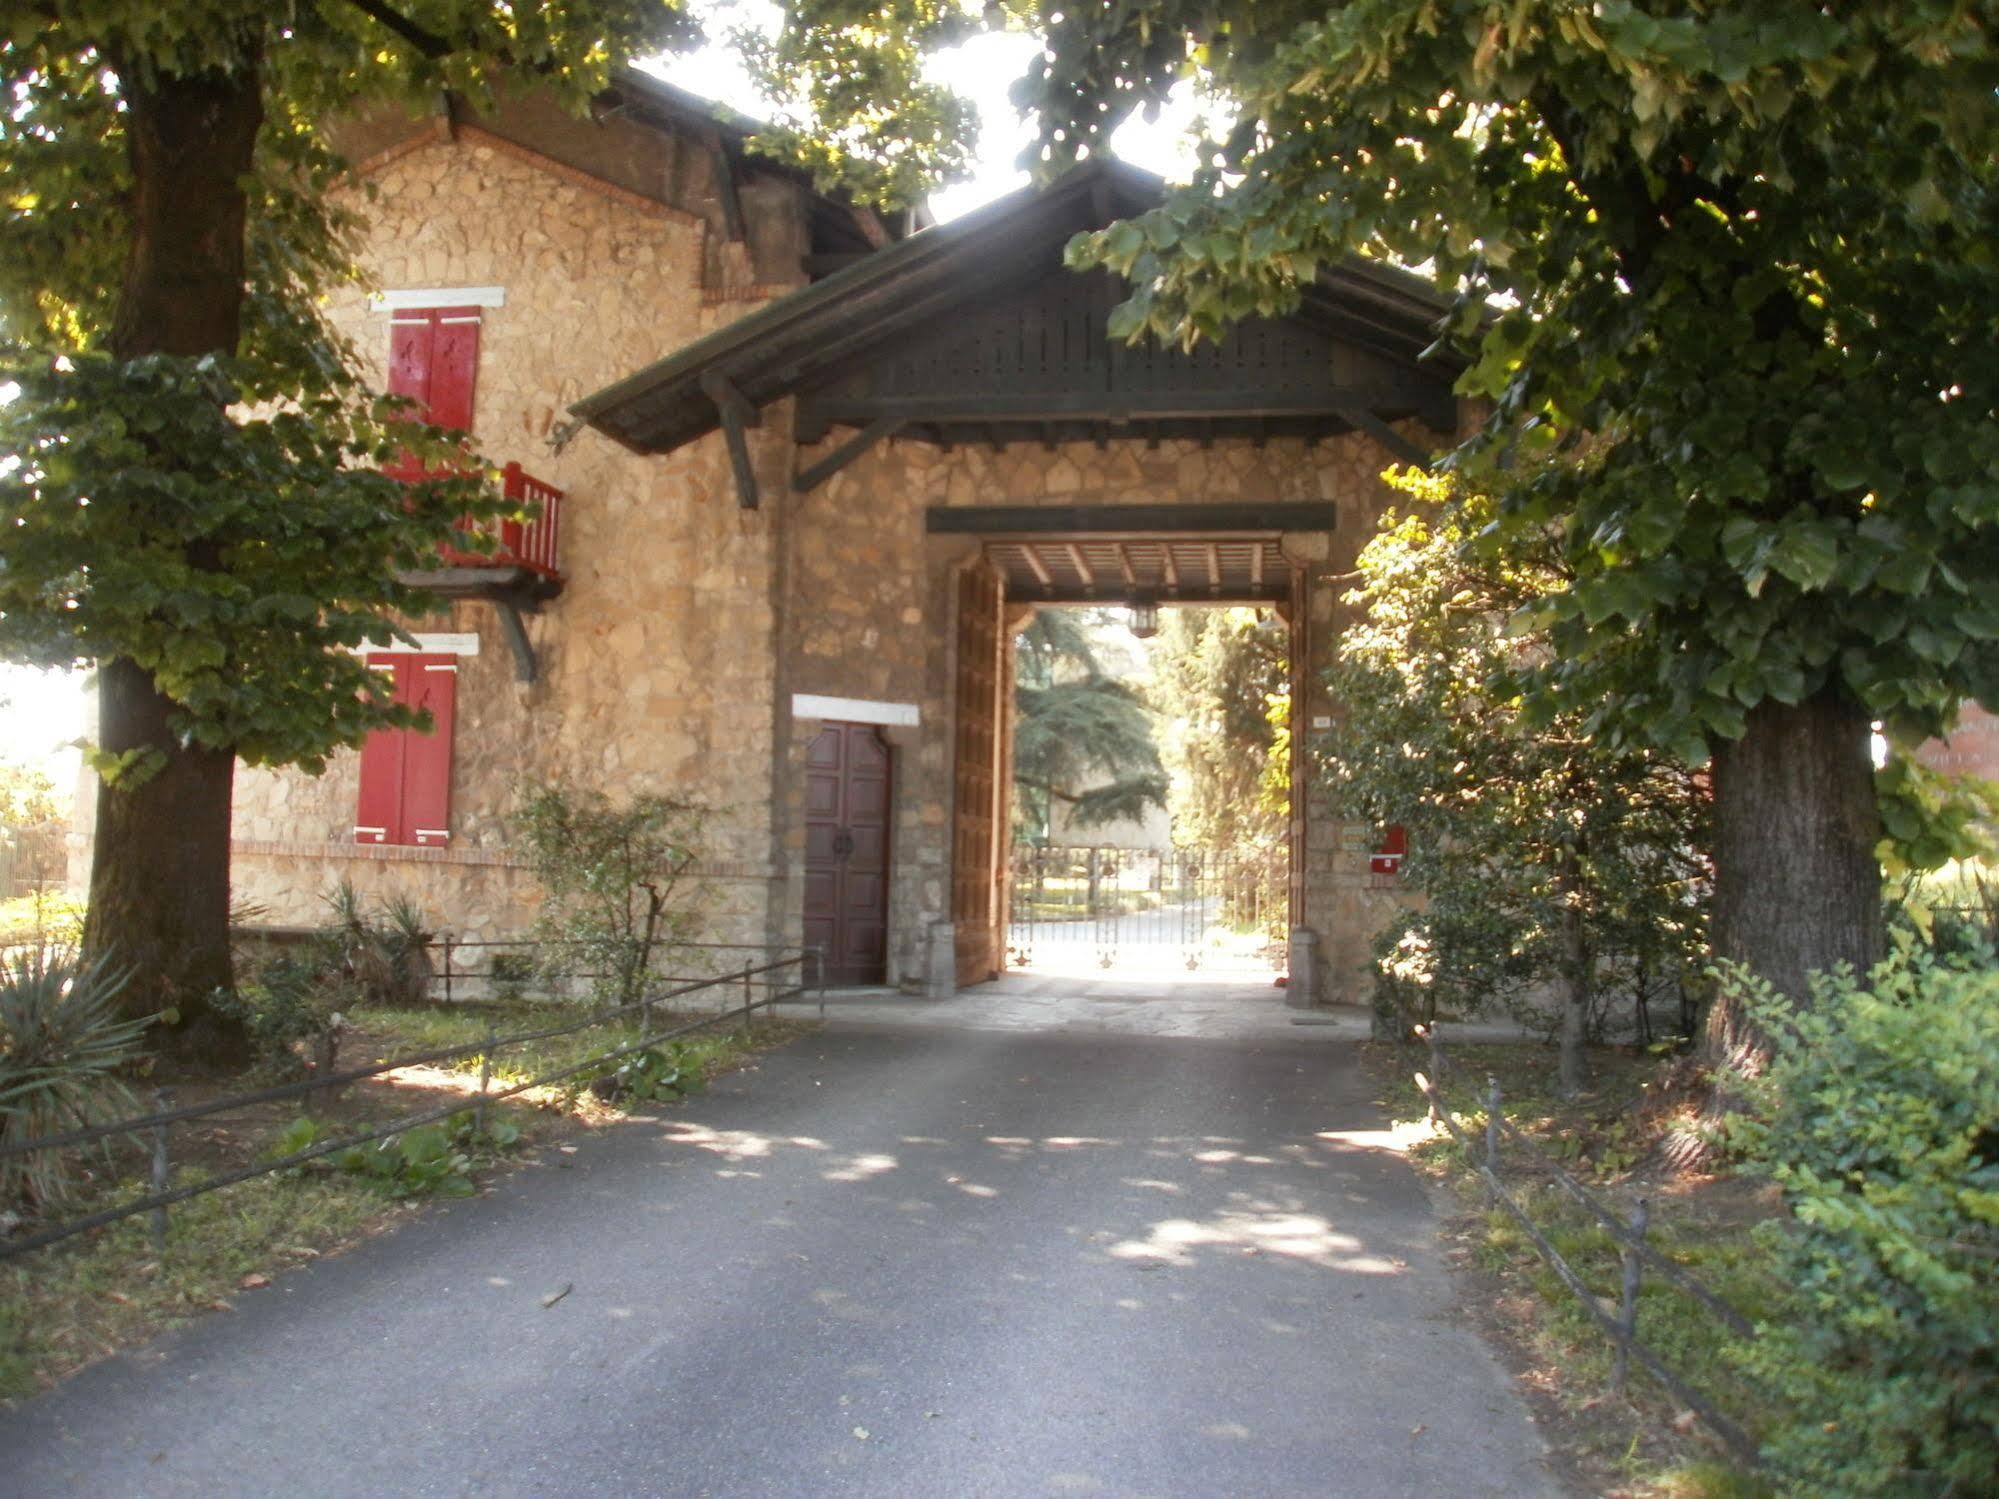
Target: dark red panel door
(846, 852)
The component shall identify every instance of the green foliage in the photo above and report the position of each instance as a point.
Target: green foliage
(289, 1006)
(33, 821)
(510, 972)
(387, 953)
(1545, 853)
(654, 1074)
(64, 1053)
(419, 1162)
(614, 878)
(1725, 273)
(238, 558)
(1931, 818)
(429, 1160)
(1083, 740)
(1879, 1118)
(1221, 692)
(851, 99)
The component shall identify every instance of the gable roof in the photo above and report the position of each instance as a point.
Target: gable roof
(810, 336)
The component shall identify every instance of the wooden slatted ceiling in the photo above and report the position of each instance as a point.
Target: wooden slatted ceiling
(1116, 569)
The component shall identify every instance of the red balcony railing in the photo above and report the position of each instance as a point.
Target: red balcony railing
(532, 544)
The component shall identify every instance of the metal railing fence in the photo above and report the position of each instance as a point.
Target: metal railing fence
(1635, 1254)
(154, 1126)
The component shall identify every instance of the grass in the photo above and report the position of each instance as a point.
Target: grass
(1610, 1138)
(46, 917)
(74, 1303)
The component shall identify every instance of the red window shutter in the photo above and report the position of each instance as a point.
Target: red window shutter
(434, 360)
(454, 367)
(427, 757)
(406, 775)
(379, 811)
(412, 337)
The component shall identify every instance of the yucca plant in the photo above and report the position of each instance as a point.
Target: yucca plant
(63, 1045)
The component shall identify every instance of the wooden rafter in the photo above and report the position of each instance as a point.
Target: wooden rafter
(1256, 564)
(1214, 566)
(1167, 568)
(1039, 568)
(1083, 570)
(1124, 564)
(1366, 421)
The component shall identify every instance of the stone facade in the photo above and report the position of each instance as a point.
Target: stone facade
(656, 662)
(670, 660)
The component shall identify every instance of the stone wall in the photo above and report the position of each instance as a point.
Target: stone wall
(656, 662)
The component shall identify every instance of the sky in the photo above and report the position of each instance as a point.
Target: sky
(43, 714)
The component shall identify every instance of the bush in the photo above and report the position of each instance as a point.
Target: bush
(615, 880)
(63, 1045)
(1879, 1118)
(387, 953)
(291, 1006)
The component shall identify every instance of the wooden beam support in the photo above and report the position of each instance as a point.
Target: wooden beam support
(1168, 569)
(737, 416)
(725, 189)
(1366, 421)
(1082, 568)
(1035, 565)
(1256, 565)
(1214, 565)
(1124, 565)
(516, 631)
(1223, 517)
(875, 431)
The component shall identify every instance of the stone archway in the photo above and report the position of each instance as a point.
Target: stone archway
(1163, 554)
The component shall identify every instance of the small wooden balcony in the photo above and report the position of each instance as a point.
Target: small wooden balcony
(525, 561)
(522, 571)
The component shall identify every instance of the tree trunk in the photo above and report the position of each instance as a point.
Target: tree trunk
(159, 889)
(1573, 1071)
(1797, 882)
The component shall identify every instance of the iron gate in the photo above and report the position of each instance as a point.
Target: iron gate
(1198, 908)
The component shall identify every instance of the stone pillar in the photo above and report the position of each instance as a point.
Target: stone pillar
(940, 967)
(1301, 991)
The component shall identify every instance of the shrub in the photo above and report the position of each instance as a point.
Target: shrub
(388, 953)
(63, 1045)
(1879, 1118)
(291, 1005)
(511, 973)
(614, 876)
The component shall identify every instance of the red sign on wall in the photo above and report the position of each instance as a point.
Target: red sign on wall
(1387, 856)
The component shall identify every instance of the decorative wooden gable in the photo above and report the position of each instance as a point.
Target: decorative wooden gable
(1035, 363)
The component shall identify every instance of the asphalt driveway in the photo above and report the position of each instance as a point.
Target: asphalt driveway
(886, 1261)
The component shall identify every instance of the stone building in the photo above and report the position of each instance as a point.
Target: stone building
(806, 472)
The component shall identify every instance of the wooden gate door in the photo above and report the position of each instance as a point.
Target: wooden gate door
(846, 852)
(978, 800)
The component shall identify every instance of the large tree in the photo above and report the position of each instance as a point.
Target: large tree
(195, 507)
(1546, 854)
(1083, 741)
(1728, 275)
(1221, 687)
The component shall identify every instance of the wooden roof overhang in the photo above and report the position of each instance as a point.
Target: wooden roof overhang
(1199, 553)
(973, 332)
